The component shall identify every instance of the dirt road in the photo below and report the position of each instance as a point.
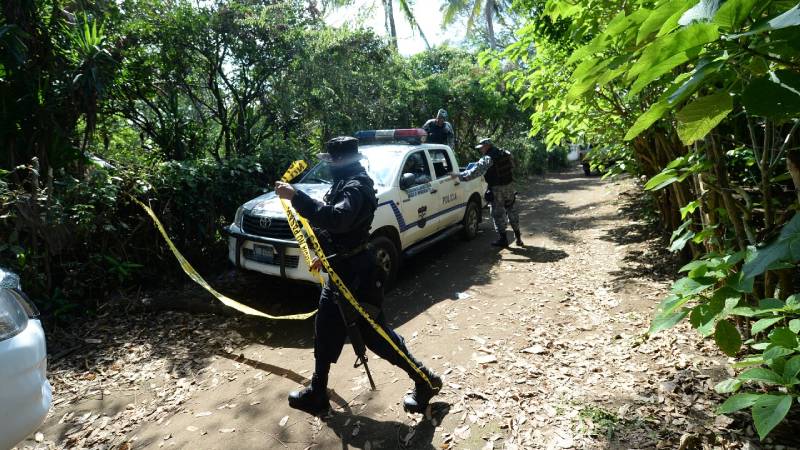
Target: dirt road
(540, 347)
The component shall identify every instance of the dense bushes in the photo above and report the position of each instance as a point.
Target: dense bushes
(85, 238)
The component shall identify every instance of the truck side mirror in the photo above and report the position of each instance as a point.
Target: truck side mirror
(407, 180)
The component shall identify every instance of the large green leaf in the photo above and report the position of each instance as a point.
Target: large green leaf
(703, 72)
(698, 118)
(672, 22)
(761, 374)
(776, 96)
(765, 323)
(784, 337)
(658, 17)
(776, 352)
(738, 402)
(691, 286)
(727, 338)
(598, 44)
(669, 313)
(672, 44)
(733, 12)
(647, 119)
(787, 247)
(728, 386)
(769, 411)
(704, 316)
(790, 18)
(684, 86)
(662, 67)
(791, 370)
(585, 76)
(661, 180)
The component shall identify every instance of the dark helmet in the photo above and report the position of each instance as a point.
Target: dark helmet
(484, 141)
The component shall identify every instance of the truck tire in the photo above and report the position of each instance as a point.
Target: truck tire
(388, 258)
(587, 169)
(472, 218)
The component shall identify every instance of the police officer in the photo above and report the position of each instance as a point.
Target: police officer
(439, 129)
(342, 223)
(497, 167)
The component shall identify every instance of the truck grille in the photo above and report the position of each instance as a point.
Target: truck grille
(290, 261)
(272, 228)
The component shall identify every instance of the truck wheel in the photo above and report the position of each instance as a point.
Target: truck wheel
(388, 258)
(587, 169)
(472, 218)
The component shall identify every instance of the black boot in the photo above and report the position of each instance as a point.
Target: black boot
(417, 401)
(518, 235)
(312, 399)
(502, 241)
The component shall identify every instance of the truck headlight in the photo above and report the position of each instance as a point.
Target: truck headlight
(13, 316)
(237, 220)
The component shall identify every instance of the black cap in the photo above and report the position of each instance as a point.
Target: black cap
(340, 149)
(484, 141)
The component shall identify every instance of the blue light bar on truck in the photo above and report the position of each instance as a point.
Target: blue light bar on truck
(407, 135)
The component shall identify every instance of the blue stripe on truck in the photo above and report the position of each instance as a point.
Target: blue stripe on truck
(401, 222)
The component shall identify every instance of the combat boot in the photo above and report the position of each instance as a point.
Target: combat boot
(518, 235)
(502, 241)
(312, 399)
(417, 401)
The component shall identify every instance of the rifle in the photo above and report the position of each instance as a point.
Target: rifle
(354, 333)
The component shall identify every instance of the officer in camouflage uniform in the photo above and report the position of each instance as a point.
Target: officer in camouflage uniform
(342, 224)
(497, 167)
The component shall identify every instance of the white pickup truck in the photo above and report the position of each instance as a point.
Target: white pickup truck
(419, 204)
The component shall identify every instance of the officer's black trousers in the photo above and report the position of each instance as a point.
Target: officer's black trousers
(330, 331)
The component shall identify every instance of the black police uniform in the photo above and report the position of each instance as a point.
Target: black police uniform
(342, 223)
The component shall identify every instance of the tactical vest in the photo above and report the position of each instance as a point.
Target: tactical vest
(436, 134)
(501, 172)
(358, 234)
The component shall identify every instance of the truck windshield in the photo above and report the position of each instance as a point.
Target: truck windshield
(381, 167)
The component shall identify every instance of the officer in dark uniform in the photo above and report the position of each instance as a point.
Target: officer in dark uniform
(439, 129)
(497, 167)
(342, 224)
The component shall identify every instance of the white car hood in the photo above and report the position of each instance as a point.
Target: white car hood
(268, 205)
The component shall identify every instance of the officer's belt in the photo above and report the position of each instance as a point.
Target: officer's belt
(351, 253)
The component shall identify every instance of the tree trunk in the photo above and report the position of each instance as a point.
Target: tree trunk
(388, 9)
(488, 11)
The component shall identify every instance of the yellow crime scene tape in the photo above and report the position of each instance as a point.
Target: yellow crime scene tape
(297, 224)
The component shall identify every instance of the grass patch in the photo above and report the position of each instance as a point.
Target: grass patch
(600, 422)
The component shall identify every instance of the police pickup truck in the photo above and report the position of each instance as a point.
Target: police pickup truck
(418, 205)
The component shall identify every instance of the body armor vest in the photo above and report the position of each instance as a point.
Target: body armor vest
(501, 172)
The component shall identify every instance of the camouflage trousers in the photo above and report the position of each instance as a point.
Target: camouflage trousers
(504, 205)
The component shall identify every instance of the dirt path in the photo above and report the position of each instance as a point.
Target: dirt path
(544, 348)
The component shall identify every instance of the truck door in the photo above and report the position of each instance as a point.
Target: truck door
(417, 203)
(449, 196)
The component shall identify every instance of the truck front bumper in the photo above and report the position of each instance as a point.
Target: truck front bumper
(252, 252)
